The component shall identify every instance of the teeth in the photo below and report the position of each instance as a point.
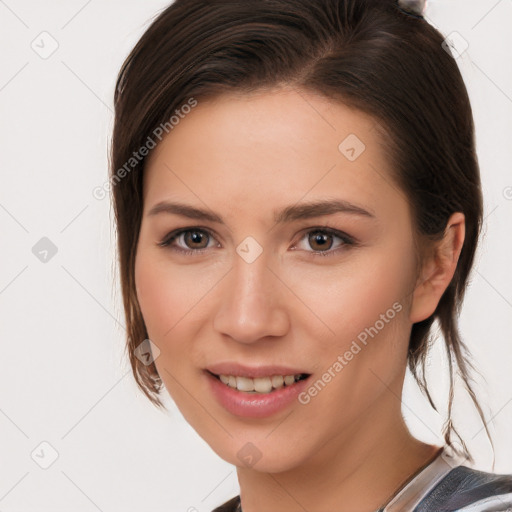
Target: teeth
(263, 384)
(289, 379)
(258, 384)
(277, 381)
(244, 384)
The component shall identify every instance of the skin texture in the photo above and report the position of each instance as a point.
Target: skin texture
(242, 157)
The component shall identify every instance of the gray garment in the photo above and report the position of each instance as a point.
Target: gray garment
(445, 485)
(467, 489)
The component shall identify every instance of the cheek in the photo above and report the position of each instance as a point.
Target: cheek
(174, 304)
(364, 303)
(164, 303)
(157, 302)
(353, 295)
(166, 294)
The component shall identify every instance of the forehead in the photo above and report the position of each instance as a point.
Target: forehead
(270, 147)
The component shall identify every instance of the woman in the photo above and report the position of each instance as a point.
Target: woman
(298, 199)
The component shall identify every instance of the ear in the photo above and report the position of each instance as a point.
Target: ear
(438, 269)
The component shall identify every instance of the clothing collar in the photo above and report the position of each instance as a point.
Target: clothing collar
(420, 484)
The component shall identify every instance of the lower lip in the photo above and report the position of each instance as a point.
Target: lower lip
(252, 405)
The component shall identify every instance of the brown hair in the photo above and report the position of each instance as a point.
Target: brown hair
(367, 54)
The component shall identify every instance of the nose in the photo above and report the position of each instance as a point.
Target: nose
(251, 306)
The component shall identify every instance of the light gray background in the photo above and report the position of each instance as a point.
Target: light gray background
(63, 376)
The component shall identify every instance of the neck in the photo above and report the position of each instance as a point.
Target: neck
(357, 471)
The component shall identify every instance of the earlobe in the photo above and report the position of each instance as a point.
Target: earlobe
(438, 270)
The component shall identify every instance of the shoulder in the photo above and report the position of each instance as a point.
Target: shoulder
(229, 506)
(462, 489)
(466, 489)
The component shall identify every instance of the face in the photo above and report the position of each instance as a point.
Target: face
(302, 262)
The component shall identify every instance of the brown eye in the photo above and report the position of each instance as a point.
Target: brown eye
(195, 239)
(325, 241)
(320, 240)
(188, 241)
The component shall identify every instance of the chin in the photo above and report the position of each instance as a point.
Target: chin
(263, 459)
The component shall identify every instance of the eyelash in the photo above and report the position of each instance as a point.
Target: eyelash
(346, 239)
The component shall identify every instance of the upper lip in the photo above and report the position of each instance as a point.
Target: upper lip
(240, 370)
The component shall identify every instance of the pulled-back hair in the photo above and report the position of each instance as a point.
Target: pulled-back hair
(367, 54)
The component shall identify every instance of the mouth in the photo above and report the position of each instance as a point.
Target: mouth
(259, 385)
(256, 392)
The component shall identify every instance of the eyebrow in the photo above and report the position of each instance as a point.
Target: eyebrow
(289, 214)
